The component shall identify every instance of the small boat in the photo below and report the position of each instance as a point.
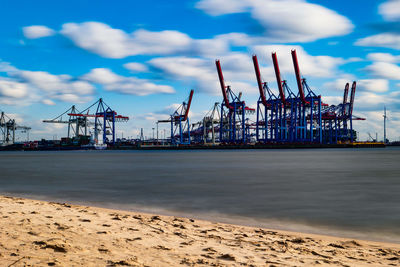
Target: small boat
(100, 146)
(95, 144)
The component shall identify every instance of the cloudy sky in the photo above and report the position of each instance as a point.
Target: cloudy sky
(143, 57)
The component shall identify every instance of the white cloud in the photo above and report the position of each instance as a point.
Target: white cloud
(239, 39)
(173, 66)
(390, 10)
(285, 20)
(72, 98)
(102, 39)
(373, 85)
(7, 67)
(201, 73)
(23, 87)
(383, 57)
(135, 67)
(332, 100)
(169, 109)
(98, 38)
(354, 59)
(42, 79)
(312, 66)
(37, 31)
(238, 70)
(16, 93)
(384, 70)
(387, 40)
(339, 84)
(151, 117)
(102, 76)
(209, 47)
(369, 100)
(125, 85)
(108, 42)
(164, 42)
(222, 7)
(12, 89)
(48, 102)
(62, 87)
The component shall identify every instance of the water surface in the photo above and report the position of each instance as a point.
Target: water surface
(345, 192)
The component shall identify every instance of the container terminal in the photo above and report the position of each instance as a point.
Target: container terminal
(289, 119)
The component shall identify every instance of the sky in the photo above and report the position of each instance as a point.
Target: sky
(143, 57)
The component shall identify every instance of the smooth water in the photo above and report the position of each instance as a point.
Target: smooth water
(345, 192)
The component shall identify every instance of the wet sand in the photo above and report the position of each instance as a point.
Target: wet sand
(38, 233)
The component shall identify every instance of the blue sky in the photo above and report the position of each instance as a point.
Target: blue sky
(143, 57)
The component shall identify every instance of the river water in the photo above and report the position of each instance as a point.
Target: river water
(344, 192)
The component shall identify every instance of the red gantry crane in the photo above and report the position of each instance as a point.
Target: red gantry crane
(233, 109)
(266, 108)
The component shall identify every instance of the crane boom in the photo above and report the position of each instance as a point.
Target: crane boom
(298, 75)
(222, 83)
(188, 105)
(345, 95)
(52, 121)
(278, 77)
(259, 81)
(26, 128)
(99, 115)
(352, 96)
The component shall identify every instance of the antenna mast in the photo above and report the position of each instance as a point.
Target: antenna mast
(384, 124)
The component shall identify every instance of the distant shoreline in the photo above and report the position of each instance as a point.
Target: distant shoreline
(19, 147)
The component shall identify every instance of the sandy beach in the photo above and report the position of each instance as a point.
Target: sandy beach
(38, 233)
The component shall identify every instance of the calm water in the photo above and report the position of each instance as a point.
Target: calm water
(345, 192)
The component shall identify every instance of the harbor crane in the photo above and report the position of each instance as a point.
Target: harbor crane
(209, 125)
(233, 110)
(76, 125)
(341, 116)
(287, 117)
(266, 107)
(180, 126)
(308, 122)
(8, 127)
(104, 121)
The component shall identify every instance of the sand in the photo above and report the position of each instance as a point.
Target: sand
(38, 233)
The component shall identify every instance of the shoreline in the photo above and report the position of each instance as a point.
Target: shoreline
(238, 220)
(288, 226)
(152, 146)
(41, 233)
